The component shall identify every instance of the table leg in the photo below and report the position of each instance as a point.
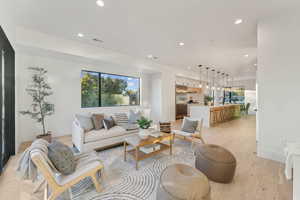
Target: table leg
(125, 146)
(136, 158)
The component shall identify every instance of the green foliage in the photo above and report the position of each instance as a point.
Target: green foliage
(113, 86)
(144, 123)
(207, 98)
(112, 99)
(39, 90)
(114, 91)
(89, 90)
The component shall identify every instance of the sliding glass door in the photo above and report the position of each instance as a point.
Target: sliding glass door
(7, 100)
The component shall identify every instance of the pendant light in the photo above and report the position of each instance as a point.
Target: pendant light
(223, 81)
(213, 79)
(218, 80)
(207, 78)
(227, 76)
(200, 76)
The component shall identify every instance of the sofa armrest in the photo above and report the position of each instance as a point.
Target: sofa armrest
(77, 135)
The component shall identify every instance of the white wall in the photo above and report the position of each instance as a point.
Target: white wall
(64, 77)
(7, 19)
(250, 97)
(248, 84)
(278, 84)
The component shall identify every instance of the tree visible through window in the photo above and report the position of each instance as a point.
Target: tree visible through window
(112, 90)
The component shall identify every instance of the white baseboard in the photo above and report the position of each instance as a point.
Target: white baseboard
(270, 153)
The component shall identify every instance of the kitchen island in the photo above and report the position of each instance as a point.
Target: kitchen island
(213, 115)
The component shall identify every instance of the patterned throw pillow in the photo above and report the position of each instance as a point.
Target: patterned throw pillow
(189, 125)
(98, 121)
(134, 116)
(108, 123)
(85, 122)
(121, 119)
(62, 157)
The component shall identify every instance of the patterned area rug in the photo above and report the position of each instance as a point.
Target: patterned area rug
(120, 180)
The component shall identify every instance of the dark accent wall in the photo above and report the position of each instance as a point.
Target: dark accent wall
(7, 102)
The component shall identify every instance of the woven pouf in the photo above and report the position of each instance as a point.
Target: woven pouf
(181, 181)
(216, 162)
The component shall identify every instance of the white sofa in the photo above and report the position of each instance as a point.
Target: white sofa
(96, 139)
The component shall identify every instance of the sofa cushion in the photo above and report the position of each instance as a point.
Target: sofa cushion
(130, 127)
(121, 118)
(85, 122)
(134, 116)
(98, 121)
(108, 123)
(96, 135)
(62, 157)
(189, 125)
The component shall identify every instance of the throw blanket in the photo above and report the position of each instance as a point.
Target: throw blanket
(26, 168)
(292, 149)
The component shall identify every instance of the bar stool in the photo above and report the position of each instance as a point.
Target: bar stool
(223, 113)
(227, 112)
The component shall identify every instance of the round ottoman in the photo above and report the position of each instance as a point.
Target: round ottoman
(179, 181)
(217, 163)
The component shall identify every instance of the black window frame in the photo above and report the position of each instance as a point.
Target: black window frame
(100, 93)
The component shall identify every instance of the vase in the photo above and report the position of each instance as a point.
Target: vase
(144, 133)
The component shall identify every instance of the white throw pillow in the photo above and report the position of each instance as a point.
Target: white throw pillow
(85, 122)
(134, 116)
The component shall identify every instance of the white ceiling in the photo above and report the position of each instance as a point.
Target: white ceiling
(140, 27)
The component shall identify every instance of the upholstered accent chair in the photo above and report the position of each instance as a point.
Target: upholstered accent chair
(58, 183)
(191, 137)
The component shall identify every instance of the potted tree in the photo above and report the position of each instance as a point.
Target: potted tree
(39, 90)
(144, 125)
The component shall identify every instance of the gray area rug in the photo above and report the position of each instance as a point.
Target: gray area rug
(120, 180)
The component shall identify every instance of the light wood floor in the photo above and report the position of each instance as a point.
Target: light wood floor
(256, 178)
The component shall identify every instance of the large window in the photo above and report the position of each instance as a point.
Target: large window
(101, 89)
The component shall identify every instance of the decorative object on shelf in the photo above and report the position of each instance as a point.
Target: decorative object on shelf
(144, 125)
(39, 90)
(165, 127)
(207, 100)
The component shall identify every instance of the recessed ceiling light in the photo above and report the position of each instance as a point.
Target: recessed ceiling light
(80, 35)
(181, 43)
(255, 64)
(97, 40)
(100, 3)
(238, 21)
(246, 55)
(150, 56)
(189, 68)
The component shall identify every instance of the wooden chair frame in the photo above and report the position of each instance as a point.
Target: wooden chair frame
(57, 189)
(196, 136)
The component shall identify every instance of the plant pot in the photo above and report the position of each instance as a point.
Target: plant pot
(47, 137)
(144, 133)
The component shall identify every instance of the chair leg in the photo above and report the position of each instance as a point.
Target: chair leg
(54, 196)
(201, 139)
(96, 183)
